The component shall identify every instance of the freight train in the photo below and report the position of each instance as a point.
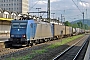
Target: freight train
(28, 32)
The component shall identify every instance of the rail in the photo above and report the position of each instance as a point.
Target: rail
(58, 56)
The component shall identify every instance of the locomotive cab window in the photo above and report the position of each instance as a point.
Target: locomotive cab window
(19, 25)
(15, 25)
(23, 25)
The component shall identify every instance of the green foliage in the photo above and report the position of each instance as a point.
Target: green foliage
(29, 56)
(74, 25)
(39, 51)
(80, 24)
(86, 26)
(64, 41)
(77, 25)
(67, 23)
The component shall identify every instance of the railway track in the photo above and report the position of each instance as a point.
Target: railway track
(74, 51)
(5, 52)
(8, 52)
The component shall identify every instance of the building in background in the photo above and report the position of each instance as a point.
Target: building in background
(20, 6)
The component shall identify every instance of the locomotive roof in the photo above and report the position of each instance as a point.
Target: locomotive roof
(30, 21)
(25, 21)
(21, 20)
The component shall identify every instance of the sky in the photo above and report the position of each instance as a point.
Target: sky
(70, 9)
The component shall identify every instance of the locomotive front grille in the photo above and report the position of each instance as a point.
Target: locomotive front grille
(19, 40)
(16, 40)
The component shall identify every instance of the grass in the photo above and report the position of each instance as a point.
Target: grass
(64, 41)
(29, 56)
(40, 51)
(26, 57)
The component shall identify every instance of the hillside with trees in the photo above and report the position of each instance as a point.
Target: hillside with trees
(77, 24)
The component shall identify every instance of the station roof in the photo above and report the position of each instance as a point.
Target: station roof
(5, 19)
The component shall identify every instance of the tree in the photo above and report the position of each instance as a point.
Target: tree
(67, 23)
(80, 24)
(86, 26)
(75, 25)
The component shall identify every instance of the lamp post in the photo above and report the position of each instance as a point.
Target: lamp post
(62, 18)
(48, 11)
(83, 19)
(38, 11)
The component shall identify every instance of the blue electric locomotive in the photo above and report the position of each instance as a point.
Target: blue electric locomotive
(27, 32)
(18, 32)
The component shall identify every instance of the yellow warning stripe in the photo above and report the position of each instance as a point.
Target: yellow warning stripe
(6, 19)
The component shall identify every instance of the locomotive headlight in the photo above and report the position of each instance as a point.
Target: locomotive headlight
(12, 35)
(23, 36)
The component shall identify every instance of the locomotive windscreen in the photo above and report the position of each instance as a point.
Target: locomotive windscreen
(19, 25)
(18, 29)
